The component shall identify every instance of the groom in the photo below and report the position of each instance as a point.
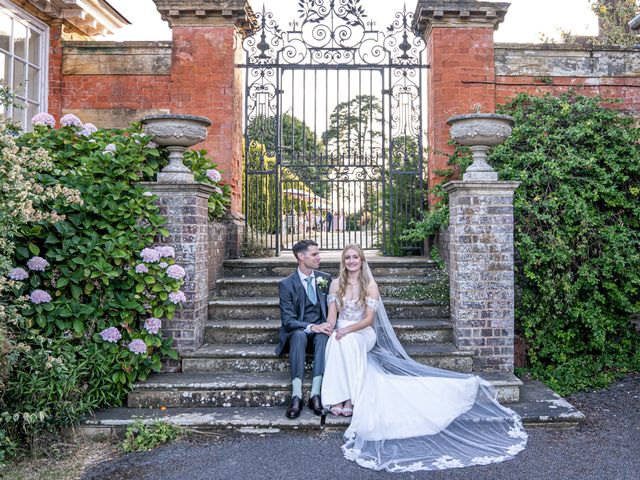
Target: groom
(303, 311)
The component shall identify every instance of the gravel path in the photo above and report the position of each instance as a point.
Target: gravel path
(605, 447)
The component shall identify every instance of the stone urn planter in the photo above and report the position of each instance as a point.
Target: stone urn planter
(176, 133)
(480, 132)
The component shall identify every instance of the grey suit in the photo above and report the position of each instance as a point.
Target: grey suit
(296, 312)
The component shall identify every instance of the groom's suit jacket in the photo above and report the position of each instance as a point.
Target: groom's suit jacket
(292, 300)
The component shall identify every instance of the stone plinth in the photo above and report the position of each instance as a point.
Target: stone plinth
(481, 271)
(185, 206)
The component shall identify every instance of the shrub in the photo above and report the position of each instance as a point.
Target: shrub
(93, 287)
(577, 236)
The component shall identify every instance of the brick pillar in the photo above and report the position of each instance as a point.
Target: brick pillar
(481, 271)
(55, 69)
(185, 206)
(459, 39)
(204, 81)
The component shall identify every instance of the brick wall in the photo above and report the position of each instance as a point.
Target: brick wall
(55, 69)
(204, 81)
(456, 55)
(112, 84)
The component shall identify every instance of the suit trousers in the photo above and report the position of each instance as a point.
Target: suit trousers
(299, 344)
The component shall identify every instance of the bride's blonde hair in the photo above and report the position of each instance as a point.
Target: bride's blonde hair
(363, 277)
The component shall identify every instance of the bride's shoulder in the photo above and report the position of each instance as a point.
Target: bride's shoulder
(372, 290)
(333, 288)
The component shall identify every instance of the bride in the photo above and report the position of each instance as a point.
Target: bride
(406, 416)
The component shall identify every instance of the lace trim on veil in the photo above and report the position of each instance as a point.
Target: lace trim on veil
(485, 433)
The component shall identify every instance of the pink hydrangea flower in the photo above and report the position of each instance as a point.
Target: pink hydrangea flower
(152, 325)
(37, 264)
(18, 274)
(218, 190)
(70, 120)
(214, 175)
(141, 268)
(165, 251)
(138, 347)
(152, 145)
(150, 255)
(111, 148)
(88, 129)
(176, 272)
(147, 194)
(163, 264)
(177, 297)
(111, 335)
(43, 118)
(39, 296)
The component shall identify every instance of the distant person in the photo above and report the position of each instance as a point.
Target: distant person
(329, 221)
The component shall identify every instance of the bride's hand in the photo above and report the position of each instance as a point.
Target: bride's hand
(341, 332)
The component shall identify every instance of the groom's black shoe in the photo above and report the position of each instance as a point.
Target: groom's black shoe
(295, 408)
(315, 404)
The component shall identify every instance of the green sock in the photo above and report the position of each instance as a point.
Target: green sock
(296, 387)
(316, 385)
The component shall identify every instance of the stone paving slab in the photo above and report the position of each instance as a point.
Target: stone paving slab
(538, 406)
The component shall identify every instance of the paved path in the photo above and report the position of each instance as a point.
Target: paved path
(605, 447)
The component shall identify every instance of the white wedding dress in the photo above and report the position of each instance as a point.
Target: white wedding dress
(408, 416)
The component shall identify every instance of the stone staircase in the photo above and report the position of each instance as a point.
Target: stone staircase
(237, 367)
(234, 382)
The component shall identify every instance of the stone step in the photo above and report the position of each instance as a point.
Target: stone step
(261, 358)
(249, 389)
(268, 308)
(409, 331)
(538, 406)
(268, 286)
(283, 266)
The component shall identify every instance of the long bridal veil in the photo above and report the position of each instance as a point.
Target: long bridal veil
(410, 417)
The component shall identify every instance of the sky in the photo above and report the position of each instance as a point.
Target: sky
(526, 20)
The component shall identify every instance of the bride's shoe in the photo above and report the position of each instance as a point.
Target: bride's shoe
(347, 411)
(336, 410)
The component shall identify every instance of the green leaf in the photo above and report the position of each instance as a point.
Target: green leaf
(76, 291)
(33, 248)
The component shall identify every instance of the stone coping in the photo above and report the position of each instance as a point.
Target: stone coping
(563, 47)
(471, 116)
(175, 116)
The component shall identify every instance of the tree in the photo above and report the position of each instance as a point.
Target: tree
(613, 21)
(355, 128)
(300, 148)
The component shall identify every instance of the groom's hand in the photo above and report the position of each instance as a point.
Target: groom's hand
(325, 328)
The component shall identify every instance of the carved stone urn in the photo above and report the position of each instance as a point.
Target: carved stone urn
(480, 132)
(176, 133)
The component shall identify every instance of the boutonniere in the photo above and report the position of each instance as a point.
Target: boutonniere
(322, 283)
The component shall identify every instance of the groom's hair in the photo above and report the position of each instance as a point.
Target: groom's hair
(302, 246)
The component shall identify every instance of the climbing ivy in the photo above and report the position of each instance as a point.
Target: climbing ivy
(577, 236)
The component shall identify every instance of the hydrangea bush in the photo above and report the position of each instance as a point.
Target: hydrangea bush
(91, 281)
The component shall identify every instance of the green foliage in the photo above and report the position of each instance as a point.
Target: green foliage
(60, 367)
(141, 437)
(437, 290)
(300, 148)
(614, 17)
(577, 236)
(198, 162)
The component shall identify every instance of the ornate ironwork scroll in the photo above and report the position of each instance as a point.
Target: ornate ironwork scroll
(333, 123)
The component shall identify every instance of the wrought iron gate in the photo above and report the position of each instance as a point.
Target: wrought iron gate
(333, 129)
